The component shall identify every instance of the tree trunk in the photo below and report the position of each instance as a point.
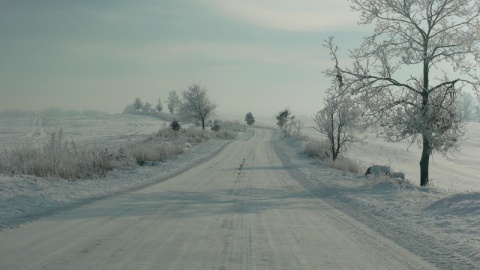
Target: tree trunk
(334, 153)
(332, 135)
(426, 133)
(424, 162)
(203, 123)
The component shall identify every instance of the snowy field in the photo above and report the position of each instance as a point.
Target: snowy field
(106, 131)
(439, 223)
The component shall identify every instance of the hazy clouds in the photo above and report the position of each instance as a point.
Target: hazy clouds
(250, 55)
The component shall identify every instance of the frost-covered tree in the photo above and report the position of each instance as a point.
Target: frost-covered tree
(287, 121)
(249, 118)
(294, 126)
(137, 104)
(410, 71)
(195, 104)
(129, 109)
(147, 107)
(173, 101)
(282, 119)
(340, 121)
(159, 106)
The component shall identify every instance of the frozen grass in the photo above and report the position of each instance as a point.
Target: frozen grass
(189, 135)
(144, 152)
(167, 143)
(65, 159)
(195, 135)
(344, 164)
(317, 149)
(60, 157)
(321, 149)
(225, 135)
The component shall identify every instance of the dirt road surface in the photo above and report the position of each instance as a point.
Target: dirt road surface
(240, 210)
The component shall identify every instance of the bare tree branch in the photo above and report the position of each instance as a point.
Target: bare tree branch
(422, 37)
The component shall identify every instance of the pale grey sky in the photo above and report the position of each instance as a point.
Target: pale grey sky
(258, 56)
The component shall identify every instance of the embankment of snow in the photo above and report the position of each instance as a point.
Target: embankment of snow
(442, 226)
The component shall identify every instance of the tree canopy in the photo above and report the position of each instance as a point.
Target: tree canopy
(249, 118)
(195, 104)
(173, 101)
(411, 70)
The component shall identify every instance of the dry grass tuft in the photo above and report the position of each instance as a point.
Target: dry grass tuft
(344, 164)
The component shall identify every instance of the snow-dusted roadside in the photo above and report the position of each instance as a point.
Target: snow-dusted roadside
(25, 198)
(440, 226)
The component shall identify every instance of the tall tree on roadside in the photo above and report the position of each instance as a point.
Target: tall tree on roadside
(249, 119)
(173, 101)
(340, 121)
(437, 42)
(195, 104)
(283, 117)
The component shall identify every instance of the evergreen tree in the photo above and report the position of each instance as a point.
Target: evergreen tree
(175, 126)
(249, 118)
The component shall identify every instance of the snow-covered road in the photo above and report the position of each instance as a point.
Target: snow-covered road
(239, 210)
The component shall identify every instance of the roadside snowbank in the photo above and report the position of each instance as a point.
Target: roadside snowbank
(439, 225)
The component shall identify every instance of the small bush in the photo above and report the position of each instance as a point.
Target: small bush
(165, 133)
(144, 152)
(317, 149)
(175, 126)
(301, 137)
(225, 135)
(196, 135)
(215, 126)
(103, 161)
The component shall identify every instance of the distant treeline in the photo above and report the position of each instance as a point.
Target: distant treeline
(49, 112)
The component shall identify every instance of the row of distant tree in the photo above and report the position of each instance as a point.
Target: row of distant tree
(193, 104)
(138, 106)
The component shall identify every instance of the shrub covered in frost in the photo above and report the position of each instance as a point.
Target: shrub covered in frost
(317, 149)
(60, 157)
